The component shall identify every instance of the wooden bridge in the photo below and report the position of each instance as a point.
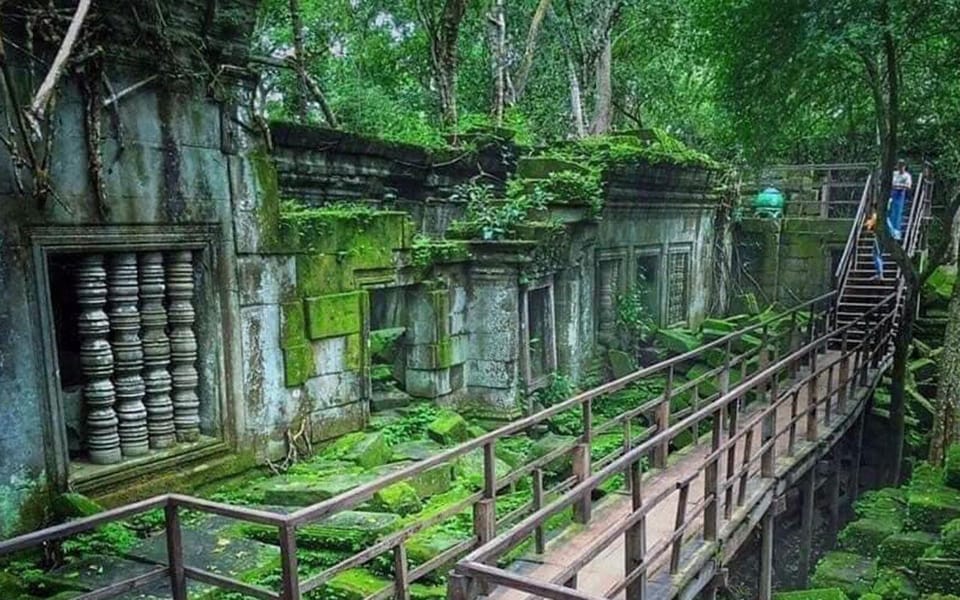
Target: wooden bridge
(780, 407)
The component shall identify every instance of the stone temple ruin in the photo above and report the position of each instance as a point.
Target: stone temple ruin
(215, 293)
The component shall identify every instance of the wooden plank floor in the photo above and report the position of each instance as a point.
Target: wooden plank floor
(607, 569)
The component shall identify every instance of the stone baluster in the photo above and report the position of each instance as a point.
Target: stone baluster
(127, 353)
(156, 351)
(607, 310)
(183, 344)
(96, 361)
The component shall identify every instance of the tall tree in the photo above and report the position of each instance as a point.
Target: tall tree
(442, 26)
(786, 58)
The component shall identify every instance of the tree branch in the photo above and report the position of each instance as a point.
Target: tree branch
(35, 112)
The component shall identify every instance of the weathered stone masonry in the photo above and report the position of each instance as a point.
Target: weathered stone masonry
(202, 319)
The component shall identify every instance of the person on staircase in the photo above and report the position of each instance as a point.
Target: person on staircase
(871, 226)
(902, 183)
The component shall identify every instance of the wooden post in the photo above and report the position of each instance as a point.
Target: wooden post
(581, 470)
(734, 420)
(539, 541)
(290, 587)
(833, 494)
(764, 357)
(828, 401)
(765, 586)
(768, 430)
(711, 485)
(844, 376)
(854, 486)
(635, 543)
(812, 425)
(460, 587)
(745, 467)
(678, 524)
(627, 445)
(401, 583)
(178, 580)
(662, 450)
(791, 343)
(806, 523)
(792, 439)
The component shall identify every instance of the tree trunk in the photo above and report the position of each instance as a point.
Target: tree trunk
(300, 100)
(603, 93)
(523, 75)
(898, 374)
(576, 100)
(498, 44)
(449, 34)
(945, 425)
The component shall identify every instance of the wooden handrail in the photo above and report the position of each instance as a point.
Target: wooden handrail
(287, 523)
(503, 542)
(850, 250)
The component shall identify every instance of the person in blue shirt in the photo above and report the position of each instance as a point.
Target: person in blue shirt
(902, 183)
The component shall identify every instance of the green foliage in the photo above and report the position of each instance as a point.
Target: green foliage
(560, 387)
(488, 218)
(109, 539)
(562, 187)
(612, 151)
(413, 424)
(634, 316)
(427, 251)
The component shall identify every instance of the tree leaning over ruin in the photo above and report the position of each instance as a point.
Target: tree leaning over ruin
(870, 48)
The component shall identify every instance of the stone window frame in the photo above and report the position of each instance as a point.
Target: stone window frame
(672, 250)
(624, 279)
(50, 240)
(530, 383)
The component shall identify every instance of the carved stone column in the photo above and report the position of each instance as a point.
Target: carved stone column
(183, 344)
(96, 361)
(127, 353)
(156, 351)
(607, 298)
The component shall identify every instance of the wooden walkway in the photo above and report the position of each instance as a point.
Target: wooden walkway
(606, 570)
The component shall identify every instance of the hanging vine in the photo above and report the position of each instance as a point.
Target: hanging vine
(72, 45)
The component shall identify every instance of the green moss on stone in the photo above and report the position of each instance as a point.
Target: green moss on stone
(319, 274)
(903, 549)
(354, 584)
(852, 573)
(563, 464)
(419, 591)
(268, 198)
(298, 365)
(887, 504)
(937, 575)
(334, 315)
(677, 341)
(346, 531)
(817, 594)
(892, 585)
(400, 498)
(950, 539)
(74, 506)
(930, 508)
(354, 359)
(469, 469)
(448, 428)
(293, 326)
(864, 536)
(427, 544)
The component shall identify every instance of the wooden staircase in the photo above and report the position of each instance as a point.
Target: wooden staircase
(859, 286)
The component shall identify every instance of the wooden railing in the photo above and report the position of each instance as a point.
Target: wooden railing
(789, 329)
(722, 495)
(848, 259)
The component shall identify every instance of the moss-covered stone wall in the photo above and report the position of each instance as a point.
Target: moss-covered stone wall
(787, 260)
